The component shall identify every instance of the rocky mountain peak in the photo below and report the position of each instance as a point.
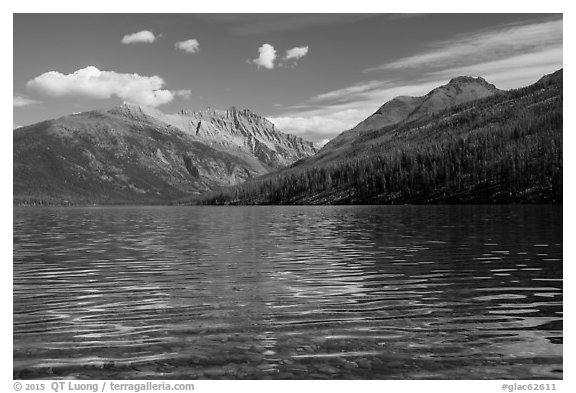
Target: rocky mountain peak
(465, 79)
(242, 112)
(460, 81)
(184, 112)
(134, 111)
(232, 130)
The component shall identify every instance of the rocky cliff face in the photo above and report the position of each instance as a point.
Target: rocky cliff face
(131, 154)
(239, 132)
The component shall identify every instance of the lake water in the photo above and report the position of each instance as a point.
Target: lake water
(368, 292)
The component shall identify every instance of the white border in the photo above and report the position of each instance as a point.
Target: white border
(245, 6)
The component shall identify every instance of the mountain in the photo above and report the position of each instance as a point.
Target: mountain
(464, 142)
(241, 132)
(131, 154)
(404, 108)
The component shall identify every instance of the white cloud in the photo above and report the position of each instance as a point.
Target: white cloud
(483, 46)
(93, 83)
(188, 46)
(266, 57)
(186, 94)
(354, 90)
(319, 124)
(21, 101)
(142, 36)
(296, 53)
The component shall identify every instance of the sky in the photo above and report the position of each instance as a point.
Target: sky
(313, 75)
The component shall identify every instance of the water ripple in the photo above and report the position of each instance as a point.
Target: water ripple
(294, 292)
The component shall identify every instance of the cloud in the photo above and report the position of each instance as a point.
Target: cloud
(296, 53)
(188, 46)
(92, 83)
(483, 47)
(266, 57)
(321, 124)
(308, 127)
(21, 101)
(142, 36)
(186, 94)
(354, 91)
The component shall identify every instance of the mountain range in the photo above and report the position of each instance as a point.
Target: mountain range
(463, 142)
(132, 154)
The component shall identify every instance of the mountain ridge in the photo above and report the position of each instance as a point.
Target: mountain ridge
(505, 147)
(458, 90)
(133, 154)
(233, 130)
(463, 142)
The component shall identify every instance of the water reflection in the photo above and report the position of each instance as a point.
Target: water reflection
(288, 292)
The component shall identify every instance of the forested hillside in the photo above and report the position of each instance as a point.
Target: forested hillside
(505, 148)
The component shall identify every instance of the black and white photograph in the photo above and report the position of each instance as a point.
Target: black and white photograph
(287, 196)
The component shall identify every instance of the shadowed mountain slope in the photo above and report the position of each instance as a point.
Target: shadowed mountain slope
(501, 147)
(404, 108)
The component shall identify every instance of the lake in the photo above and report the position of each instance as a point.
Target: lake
(332, 292)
